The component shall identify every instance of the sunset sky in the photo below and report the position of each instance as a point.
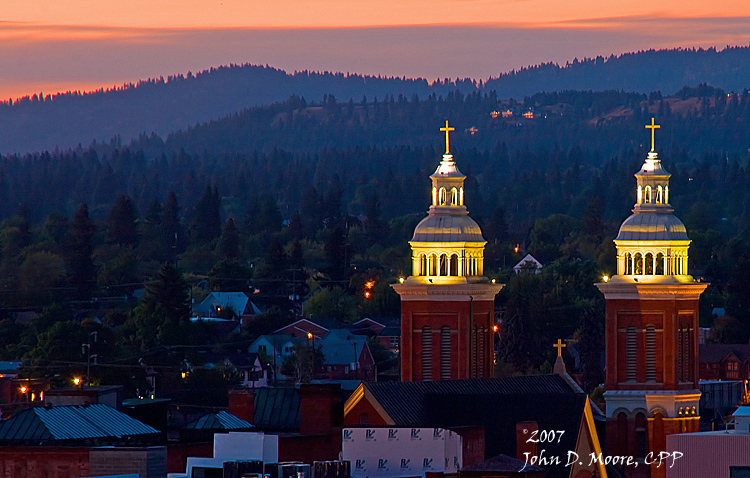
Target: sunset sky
(53, 45)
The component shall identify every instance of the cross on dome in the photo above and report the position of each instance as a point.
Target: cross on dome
(447, 130)
(653, 127)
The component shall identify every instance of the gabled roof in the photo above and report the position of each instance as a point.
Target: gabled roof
(218, 421)
(236, 300)
(341, 346)
(715, 353)
(71, 423)
(528, 261)
(276, 408)
(497, 404)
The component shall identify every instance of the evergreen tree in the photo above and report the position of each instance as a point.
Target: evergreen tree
(172, 235)
(590, 347)
(229, 242)
(336, 252)
(376, 228)
(206, 223)
(122, 223)
(81, 270)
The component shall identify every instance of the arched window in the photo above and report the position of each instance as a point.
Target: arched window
(666, 194)
(426, 353)
(678, 265)
(461, 196)
(443, 265)
(640, 194)
(434, 196)
(649, 264)
(423, 264)
(628, 264)
(660, 264)
(445, 353)
(638, 264)
(641, 435)
(622, 434)
(651, 353)
(659, 195)
(454, 197)
(648, 195)
(443, 196)
(454, 265)
(433, 265)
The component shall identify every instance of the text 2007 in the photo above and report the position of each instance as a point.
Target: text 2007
(545, 436)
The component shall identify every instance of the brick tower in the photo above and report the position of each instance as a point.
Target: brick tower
(651, 324)
(447, 305)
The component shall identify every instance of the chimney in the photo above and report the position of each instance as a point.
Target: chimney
(242, 404)
(320, 408)
(525, 433)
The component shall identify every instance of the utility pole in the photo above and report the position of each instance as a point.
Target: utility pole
(86, 348)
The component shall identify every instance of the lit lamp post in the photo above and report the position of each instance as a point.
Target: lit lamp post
(311, 336)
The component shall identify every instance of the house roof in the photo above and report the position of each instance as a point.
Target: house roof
(218, 421)
(341, 346)
(497, 404)
(528, 259)
(715, 353)
(277, 408)
(236, 300)
(68, 423)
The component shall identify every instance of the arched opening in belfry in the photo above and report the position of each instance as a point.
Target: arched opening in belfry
(649, 264)
(433, 265)
(660, 264)
(659, 195)
(648, 195)
(454, 265)
(443, 265)
(638, 264)
(628, 264)
(423, 264)
(454, 197)
(442, 197)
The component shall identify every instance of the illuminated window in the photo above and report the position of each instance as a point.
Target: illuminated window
(454, 197)
(659, 195)
(443, 265)
(660, 264)
(442, 196)
(423, 264)
(638, 264)
(628, 264)
(649, 263)
(648, 195)
(454, 265)
(640, 194)
(433, 265)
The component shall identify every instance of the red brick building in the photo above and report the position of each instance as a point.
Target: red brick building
(447, 305)
(651, 327)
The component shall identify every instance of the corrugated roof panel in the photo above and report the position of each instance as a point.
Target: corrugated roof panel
(114, 423)
(277, 408)
(64, 423)
(71, 423)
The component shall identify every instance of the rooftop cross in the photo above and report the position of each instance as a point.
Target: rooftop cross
(653, 127)
(447, 130)
(559, 345)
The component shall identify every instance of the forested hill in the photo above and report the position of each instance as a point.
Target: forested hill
(165, 105)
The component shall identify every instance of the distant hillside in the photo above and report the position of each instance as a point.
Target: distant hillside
(164, 106)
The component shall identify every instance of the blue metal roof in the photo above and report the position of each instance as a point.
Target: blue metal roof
(71, 423)
(218, 421)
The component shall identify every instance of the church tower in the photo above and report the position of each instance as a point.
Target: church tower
(651, 326)
(447, 305)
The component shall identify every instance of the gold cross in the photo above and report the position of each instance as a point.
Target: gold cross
(447, 130)
(653, 127)
(559, 345)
